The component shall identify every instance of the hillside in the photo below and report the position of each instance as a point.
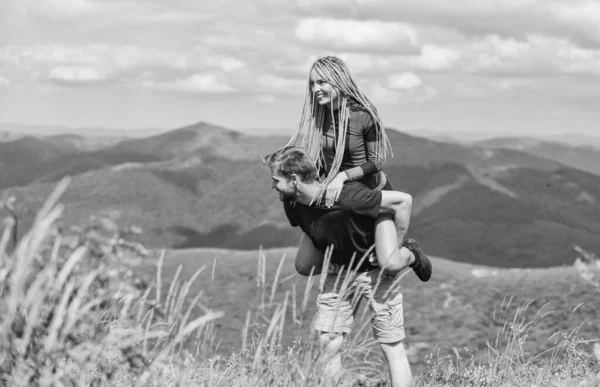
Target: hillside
(76, 142)
(30, 160)
(586, 158)
(204, 186)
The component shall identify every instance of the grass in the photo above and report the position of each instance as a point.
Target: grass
(76, 310)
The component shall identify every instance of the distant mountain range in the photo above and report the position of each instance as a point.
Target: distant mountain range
(474, 137)
(203, 186)
(18, 129)
(586, 157)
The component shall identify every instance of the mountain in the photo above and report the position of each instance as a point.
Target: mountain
(202, 139)
(9, 136)
(30, 159)
(586, 158)
(204, 186)
(475, 137)
(22, 159)
(77, 142)
(52, 130)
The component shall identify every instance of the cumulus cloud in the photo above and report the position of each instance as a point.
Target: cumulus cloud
(435, 58)
(575, 19)
(197, 83)
(356, 35)
(101, 62)
(4, 82)
(117, 11)
(404, 81)
(76, 74)
(118, 56)
(280, 85)
(536, 56)
(385, 94)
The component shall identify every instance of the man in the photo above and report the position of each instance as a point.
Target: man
(347, 231)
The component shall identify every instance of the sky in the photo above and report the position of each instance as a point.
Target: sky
(473, 66)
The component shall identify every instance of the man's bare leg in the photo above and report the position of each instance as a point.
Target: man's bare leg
(331, 357)
(395, 354)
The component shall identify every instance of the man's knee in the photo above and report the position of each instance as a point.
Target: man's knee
(331, 343)
(395, 350)
(306, 268)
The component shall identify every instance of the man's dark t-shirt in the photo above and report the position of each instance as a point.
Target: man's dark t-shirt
(349, 225)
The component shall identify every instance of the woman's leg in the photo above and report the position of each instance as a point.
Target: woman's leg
(308, 257)
(390, 256)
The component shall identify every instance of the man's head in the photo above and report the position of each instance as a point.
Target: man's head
(290, 166)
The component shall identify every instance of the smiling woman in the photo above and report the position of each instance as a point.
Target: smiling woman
(346, 139)
(337, 115)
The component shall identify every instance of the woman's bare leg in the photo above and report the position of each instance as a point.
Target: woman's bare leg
(390, 256)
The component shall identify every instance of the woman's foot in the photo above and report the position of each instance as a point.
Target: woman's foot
(422, 265)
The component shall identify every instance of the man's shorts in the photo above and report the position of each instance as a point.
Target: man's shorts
(337, 306)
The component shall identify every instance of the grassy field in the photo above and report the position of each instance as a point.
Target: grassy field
(82, 306)
(463, 306)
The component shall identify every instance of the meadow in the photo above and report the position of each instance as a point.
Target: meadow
(80, 305)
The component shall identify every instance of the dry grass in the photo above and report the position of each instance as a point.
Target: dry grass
(73, 313)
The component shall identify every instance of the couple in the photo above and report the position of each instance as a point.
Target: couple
(344, 206)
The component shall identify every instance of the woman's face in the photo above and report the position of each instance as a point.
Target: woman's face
(324, 92)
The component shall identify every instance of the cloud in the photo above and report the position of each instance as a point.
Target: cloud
(267, 98)
(386, 95)
(355, 35)
(71, 64)
(574, 19)
(404, 81)
(4, 82)
(66, 8)
(280, 85)
(402, 88)
(118, 56)
(116, 11)
(536, 56)
(435, 58)
(203, 83)
(76, 74)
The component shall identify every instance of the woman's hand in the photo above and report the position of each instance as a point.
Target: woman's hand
(334, 188)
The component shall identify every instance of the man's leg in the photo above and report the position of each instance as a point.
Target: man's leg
(331, 357)
(395, 354)
(308, 257)
(334, 319)
(388, 323)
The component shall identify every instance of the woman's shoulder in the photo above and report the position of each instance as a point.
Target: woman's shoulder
(361, 117)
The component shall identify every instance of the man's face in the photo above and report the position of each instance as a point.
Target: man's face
(284, 186)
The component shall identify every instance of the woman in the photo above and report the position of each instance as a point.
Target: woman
(337, 115)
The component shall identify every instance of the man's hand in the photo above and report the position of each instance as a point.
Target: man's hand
(334, 188)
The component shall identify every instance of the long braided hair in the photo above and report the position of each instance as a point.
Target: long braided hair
(334, 71)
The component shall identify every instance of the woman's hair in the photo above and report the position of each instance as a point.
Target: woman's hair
(334, 71)
(292, 160)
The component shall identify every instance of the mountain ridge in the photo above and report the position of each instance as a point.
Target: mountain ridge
(203, 185)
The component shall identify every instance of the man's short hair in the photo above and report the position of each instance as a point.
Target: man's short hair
(290, 160)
